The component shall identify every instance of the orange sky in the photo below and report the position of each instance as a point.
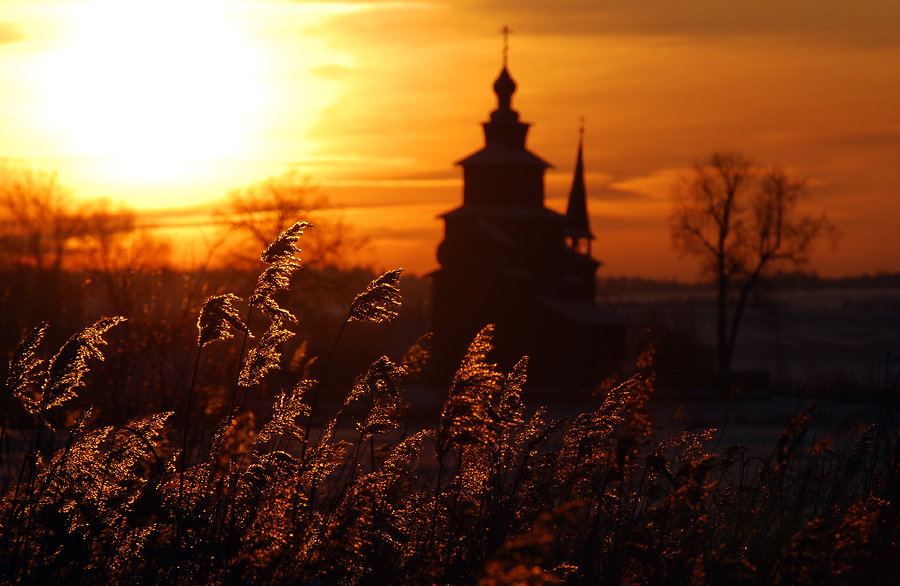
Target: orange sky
(171, 103)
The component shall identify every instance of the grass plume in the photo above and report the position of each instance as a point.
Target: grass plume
(380, 301)
(492, 493)
(218, 317)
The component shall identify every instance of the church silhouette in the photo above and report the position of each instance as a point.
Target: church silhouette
(508, 260)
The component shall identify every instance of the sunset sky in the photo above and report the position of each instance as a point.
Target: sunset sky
(167, 104)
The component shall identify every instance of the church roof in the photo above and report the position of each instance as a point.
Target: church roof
(502, 154)
(504, 87)
(578, 223)
(504, 134)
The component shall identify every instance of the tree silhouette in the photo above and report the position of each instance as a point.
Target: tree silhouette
(38, 217)
(742, 221)
(113, 249)
(42, 225)
(262, 211)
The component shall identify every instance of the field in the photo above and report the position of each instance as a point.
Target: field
(823, 339)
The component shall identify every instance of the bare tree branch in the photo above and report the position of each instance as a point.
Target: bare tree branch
(262, 211)
(742, 222)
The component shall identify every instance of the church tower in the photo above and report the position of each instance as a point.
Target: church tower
(578, 230)
(508, 260)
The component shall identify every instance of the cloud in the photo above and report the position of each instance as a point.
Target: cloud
(874, 22)
(10, 33)
(187, 216)
(872, 139)
(451, 174)
(332, 71)
(655, 186)
(608, 193)
(602, 223)
(399, 3)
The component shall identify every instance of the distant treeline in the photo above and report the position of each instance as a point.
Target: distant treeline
(784, 280)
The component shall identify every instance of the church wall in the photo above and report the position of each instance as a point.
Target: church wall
(483, 246)
(562, 353)
(504, 185)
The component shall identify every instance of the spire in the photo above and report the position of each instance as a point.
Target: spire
(504, 127)
(504, 86)
(576, 212)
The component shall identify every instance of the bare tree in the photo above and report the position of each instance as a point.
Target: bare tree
(113, 249)
(261, 212)
(743, 222)
(38, 216)
(43, 225)
(112, 241)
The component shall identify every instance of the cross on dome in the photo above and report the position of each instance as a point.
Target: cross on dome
(505, 31)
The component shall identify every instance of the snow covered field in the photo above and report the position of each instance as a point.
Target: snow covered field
(827, 341)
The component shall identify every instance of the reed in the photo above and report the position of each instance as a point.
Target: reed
(491, 493)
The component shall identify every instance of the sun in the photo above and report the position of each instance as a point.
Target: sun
(154, 88)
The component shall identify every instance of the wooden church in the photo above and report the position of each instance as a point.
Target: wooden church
(508, 260)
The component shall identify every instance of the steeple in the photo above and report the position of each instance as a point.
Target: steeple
(504, 126)
(504, 86)
(504, 172)
(578, 227)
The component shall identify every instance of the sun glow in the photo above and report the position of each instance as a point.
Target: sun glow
(155, 90)
(150, 87)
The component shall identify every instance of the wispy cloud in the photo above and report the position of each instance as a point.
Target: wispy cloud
(874, 139)
(656, 186)
(874, 22)
(10, 33)
(332, 71)
(609, 193)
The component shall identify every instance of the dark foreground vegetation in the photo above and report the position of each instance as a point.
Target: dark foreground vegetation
(207, 490)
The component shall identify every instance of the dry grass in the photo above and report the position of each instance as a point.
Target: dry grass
(493, 494)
